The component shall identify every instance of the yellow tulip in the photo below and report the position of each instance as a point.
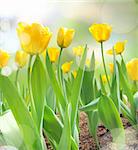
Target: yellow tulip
(53, 54)
(78, 51)
(109, 52)
(4, 57)
(118, 47)
(64, 37)
(101, 32)
(132, 69)
(66, 67)
(21, 58)
(111, 67)
(34, 38)
(74, 74)
(104, 79)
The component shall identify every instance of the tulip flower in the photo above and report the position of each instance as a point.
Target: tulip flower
(77, 51)
(66, 67)
(74, 74)
(104, 78)
(21, 58)
(34, 38)
(111, 67)
(132, 69)
(53, 54)
(101, 32)
(64, 37)
(4, 57)
(118, 47)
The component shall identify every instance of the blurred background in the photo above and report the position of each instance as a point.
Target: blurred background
(122, 15)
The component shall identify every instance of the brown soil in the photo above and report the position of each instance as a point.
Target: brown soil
(104, 136)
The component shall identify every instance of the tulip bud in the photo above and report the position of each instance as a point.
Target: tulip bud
(53, 54)
(4, 57)
(64, 37)
(21, 58)
(66, 67)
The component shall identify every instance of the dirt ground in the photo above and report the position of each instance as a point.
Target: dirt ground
(104, 136)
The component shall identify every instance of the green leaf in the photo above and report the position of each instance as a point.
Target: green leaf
(38, 84)
(51, 98)
(127, 90)
(9, 131)
(22, 116)
(65, 140)
(103, 90)
(92, 63)
(53, 128)
(76, 89)
(127, 113)
(115, 91)
(136, 105)
(111, 119)
(97, 92)
(93, 118)
(87, 91)
(55, 84)
(91, 106)
(124, 69)
(68, 84)
(115, 88)
(108, 113)
(52, 125)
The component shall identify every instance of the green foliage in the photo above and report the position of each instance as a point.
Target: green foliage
(126, 88)
(53, 128)
(65, 140)
(9, 132)
(55, 84)
(38, 84)
(91, 106)
(22, 116)
(76, 90)
(111, 119)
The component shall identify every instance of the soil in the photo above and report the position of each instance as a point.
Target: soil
(104, 136)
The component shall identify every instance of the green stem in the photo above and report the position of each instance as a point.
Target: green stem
(59, 67)
(117, 80)
(29, 71)
(30, 90)
(16, 77)
(121, 56)
(104, 65)
(1, 102)
(135, 85)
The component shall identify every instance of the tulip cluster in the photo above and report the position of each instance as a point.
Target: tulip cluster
(64, 89)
